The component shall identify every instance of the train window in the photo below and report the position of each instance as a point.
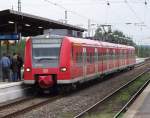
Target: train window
(104, 56)
(99, 56)
(107, 55)
(91, 58)
(79, 57)
(114, 55)
(88, 57)
(96, 56)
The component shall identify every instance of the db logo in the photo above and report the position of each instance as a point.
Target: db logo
(45, 70)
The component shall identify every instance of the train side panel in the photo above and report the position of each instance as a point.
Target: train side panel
(65, 62)
(28, 77)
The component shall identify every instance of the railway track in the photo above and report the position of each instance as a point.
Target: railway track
(24, 105)
(126, 106)
(27, 104)
(91, 110)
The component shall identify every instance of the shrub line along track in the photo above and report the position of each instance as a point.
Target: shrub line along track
(82, 114)
(26, 109)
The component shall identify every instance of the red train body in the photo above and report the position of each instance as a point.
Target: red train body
(68, 60)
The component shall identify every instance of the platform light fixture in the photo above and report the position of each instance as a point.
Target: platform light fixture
(11, 22)
(40, 27)
(27, 25)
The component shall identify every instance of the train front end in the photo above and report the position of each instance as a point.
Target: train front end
(42, 61)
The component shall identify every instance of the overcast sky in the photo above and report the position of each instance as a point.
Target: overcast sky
(118, 13)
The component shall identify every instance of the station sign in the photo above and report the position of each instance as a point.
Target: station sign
(14, 36)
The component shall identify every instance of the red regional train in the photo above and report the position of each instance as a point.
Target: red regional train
(63, 60)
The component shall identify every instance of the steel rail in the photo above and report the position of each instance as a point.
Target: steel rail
(109, 96)
(139, 64)
(27, 109)
(3, 106)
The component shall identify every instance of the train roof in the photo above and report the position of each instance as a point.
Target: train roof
(98, 43)
(83, 41)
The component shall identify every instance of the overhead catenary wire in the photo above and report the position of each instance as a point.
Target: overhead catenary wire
(68, 10)
(108, 3)
(132, 10)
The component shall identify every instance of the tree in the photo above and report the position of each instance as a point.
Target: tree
(113, 37)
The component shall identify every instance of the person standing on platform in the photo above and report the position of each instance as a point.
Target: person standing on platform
(20, 64)
(14, 67)
(5, 62)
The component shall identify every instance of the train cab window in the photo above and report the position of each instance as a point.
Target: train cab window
(45, 55)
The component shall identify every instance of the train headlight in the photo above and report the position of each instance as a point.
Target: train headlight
(63, 69)
(28, 69)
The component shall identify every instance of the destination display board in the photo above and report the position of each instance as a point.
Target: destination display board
(14, 36)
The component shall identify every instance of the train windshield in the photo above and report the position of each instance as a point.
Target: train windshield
(45, 54)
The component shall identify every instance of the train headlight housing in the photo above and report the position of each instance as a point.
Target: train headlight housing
(63, 69)
(28, 69)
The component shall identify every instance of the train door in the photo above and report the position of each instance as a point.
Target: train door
(104, 67)
(113, 58)
(107, 58)
(126, 57)
(96, 60)
(84, 62)
(100, 60)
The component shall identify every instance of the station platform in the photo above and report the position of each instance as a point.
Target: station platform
(141, 107)
(13, 90)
